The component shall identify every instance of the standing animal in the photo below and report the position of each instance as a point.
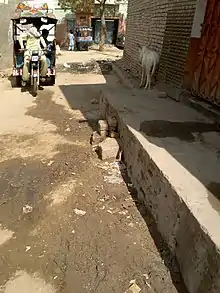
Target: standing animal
(149, 60)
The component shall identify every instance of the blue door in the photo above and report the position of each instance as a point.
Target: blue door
(110, 30)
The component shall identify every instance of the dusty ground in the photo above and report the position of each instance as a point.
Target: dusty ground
(46, 162)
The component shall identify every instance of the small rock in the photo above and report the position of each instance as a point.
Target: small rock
(103, 128)
(131, 225)
(27, 209)
(27, 248)
(79, 212)
(66, 65)
(94, 101)
(161, 95)
(108, 149)
(134, 288)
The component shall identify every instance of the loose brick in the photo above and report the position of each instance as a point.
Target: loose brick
(108, 149)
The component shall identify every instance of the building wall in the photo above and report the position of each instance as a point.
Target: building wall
(166, 25)
(7, 8)
(194, 43)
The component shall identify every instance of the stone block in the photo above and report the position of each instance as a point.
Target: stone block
(103, 128)
(108, 149)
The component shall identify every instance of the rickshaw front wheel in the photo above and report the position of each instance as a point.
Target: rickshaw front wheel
(34, 87)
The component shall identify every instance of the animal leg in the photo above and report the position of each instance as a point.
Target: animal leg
(147, 82)
(142, 78)
(153, 74)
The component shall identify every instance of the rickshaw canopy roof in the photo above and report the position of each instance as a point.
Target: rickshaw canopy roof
(29, 13)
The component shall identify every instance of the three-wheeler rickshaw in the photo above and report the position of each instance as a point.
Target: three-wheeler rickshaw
(24, 18)
(83, 38)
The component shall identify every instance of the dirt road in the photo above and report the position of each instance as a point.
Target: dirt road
(69, 223)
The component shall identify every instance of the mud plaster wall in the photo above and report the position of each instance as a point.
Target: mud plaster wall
(197, 256)
(167, 26)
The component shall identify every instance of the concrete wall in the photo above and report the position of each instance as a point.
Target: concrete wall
(6, 12)
(167, 25)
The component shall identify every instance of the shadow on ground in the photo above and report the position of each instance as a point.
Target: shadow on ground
(34, 181)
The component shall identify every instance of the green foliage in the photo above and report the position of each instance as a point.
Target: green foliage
(76, 5)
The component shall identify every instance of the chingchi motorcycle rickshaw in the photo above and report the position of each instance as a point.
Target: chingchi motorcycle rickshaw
(83, 37)
(25, 16)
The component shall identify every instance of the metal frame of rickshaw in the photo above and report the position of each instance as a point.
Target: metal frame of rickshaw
(17, 72)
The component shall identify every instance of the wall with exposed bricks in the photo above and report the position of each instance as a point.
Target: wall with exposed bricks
(166, 25)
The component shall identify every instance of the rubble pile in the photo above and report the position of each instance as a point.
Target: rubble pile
(105, 140)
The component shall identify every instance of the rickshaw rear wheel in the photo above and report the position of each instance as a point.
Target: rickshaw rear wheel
(52, 80)
(16, 81)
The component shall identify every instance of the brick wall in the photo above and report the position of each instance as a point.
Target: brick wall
(167, 25)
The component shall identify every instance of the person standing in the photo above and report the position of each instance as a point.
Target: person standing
(71, 41)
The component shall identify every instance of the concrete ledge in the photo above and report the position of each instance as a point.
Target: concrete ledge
(121, 76)
(179, 95)
(177, 200)
(172, 92)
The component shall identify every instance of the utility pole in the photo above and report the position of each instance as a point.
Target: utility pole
(7, 10)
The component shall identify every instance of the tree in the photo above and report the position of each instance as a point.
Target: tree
(87, 5)
(76, 5)
(103, 32)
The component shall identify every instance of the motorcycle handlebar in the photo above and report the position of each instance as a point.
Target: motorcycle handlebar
(23, 50)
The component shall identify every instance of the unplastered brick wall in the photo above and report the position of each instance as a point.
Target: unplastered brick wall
(164, 24)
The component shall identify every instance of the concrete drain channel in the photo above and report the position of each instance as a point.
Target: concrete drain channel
(195, 250)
